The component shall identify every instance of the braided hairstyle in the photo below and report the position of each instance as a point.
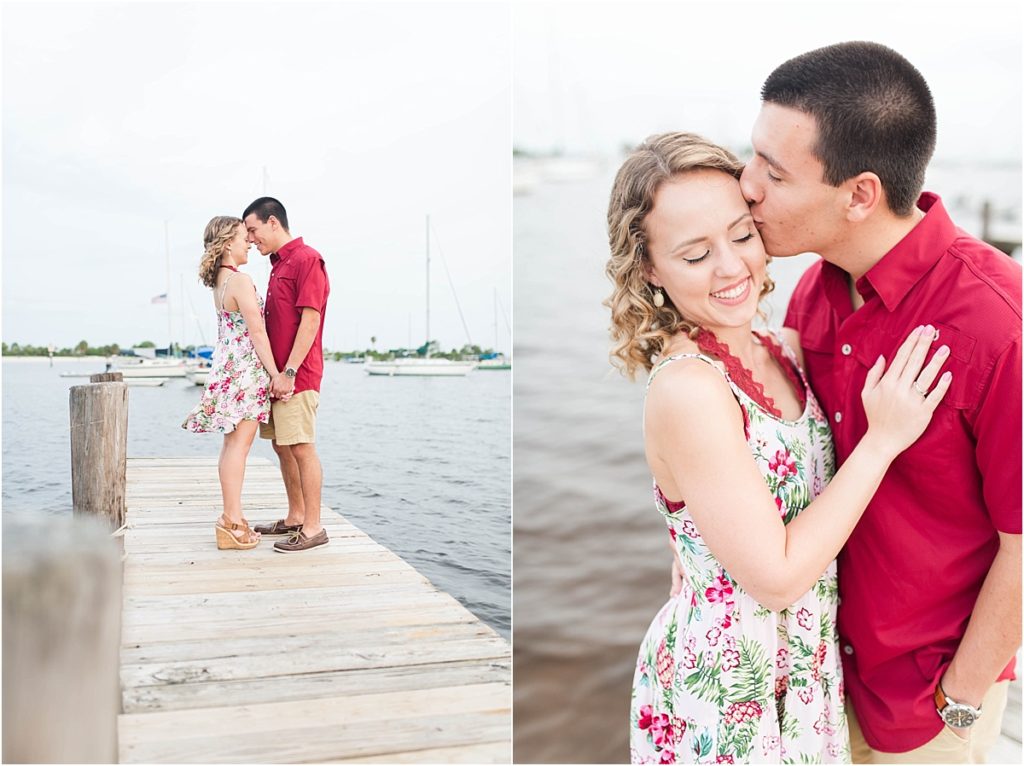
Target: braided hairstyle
(219, 232)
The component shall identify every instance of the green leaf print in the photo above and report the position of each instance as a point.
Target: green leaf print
(827, 631)
(791, 730)
(705, 682)
(703, 745)
(827, 589)
(743, 738)
(751, 677)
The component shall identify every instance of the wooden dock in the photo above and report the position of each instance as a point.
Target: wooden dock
(345, 653)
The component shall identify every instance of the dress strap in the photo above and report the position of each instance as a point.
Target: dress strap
(675, 357)
(224, 288)
(704, 358)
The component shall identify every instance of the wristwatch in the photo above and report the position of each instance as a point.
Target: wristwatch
(957, 714)
(289, 371)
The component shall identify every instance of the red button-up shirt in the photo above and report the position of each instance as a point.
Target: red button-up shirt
(911, 571)
(298, 279)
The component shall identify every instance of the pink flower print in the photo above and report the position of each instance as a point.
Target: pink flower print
(680, 727)
(712, 636)
(724, 759)
(804, 618)
(730, 660)
(691, 641)
(817, 486)
(770, 743)
(842, 691)
(780, 506)
(662, 731)
(822, 726)
(209, 409)
(720, 590)
(229, 365)
(689, 659)
(806, 695)
(782, 465)
(690, 530)
(782, 658)
(781, 685)
(834, 750)
(729, 642)
(667, 756)
(646, 717)
(672, 533)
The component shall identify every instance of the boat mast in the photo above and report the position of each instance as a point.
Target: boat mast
(167, 249)
(428, 285)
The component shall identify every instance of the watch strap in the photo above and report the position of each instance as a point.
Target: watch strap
(942, 701)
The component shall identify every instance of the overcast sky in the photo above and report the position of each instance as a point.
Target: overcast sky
(365, 116)
(591, 77)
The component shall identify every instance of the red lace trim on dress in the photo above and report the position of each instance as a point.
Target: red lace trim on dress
(740, 375)
(787, 365)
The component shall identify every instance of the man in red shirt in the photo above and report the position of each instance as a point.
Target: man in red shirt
(930, 579)
(294, 312)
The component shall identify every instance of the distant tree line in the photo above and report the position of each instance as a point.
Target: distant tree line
(467, 351)
(82, 348)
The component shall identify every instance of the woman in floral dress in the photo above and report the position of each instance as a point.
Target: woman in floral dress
(741, 666)
(236, 398)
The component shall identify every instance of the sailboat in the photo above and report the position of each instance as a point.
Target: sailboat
(417, 366)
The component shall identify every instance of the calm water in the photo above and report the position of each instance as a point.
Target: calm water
(420, 464)
(591, 554)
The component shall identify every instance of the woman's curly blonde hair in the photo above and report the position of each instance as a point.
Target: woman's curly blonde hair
(219, 231)
(640, 329)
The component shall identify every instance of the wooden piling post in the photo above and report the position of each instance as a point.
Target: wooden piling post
(99, 447)
(61, 640)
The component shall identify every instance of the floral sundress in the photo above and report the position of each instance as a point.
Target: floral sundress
(238, 387)
(720, 678)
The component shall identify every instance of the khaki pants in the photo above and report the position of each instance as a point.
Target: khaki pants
(947, 746)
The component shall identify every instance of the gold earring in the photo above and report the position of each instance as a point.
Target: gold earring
(659, 298)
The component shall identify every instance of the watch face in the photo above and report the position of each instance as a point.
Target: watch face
(959, 716)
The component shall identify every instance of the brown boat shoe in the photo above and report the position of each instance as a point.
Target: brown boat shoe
(277, 528)
(298, 542)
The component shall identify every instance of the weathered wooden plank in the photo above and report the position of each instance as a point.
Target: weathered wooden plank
(262, 624)
(269, 663)
(486, 752)
(325, 640)
(325, 739)
(256, 691)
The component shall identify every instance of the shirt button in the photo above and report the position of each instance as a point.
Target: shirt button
(847, 349)
(839, 417)
(847, 649)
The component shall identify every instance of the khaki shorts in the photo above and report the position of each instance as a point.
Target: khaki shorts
(947, 746)
(294, 421)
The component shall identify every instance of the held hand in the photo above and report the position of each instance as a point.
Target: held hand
(899, 402)
(281, 386)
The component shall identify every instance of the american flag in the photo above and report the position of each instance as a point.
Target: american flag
(162, 298)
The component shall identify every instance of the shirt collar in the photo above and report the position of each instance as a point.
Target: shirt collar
(913, 256)
(285, 250)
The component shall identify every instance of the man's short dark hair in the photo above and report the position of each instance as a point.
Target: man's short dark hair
(265, 207)
(874, 113)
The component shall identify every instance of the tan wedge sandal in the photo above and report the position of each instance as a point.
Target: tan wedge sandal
(226, 540)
